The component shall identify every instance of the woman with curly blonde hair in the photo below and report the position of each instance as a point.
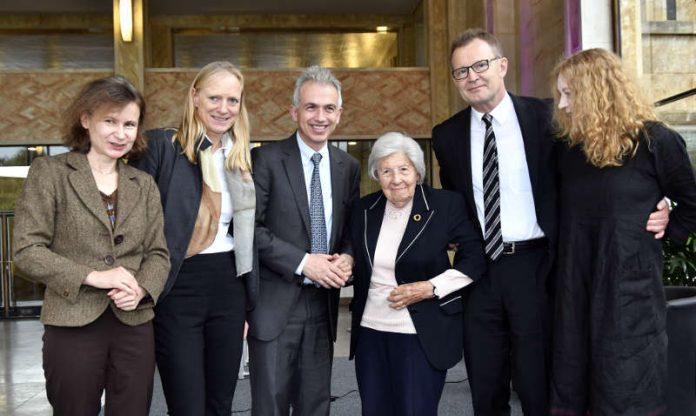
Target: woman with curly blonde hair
(610, 344)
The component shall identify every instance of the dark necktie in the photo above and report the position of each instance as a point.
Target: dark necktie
(316, 211)
(493, 236)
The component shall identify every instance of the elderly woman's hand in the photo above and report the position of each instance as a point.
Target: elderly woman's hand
(410, 293)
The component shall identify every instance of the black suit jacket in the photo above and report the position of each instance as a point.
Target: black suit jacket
(437, 218)
(283, 230)
(452, 146)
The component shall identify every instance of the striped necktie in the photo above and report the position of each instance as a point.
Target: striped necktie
(493, 236)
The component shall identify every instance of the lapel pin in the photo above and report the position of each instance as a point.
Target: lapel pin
(417, 217)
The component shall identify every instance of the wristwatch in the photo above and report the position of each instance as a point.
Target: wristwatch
(436, 294)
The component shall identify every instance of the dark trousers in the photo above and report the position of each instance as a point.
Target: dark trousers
(199, 330)
(394, 375)
(79, 363)
(294, 370)
(506, 335)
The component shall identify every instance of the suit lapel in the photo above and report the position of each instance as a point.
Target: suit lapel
(127, 185)
(337, 193)
(465, 162)
(530, 137)
(85, 187)
(421, 214)
(292, 163)
(372, 218)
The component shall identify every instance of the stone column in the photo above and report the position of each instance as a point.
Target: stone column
(129, 57)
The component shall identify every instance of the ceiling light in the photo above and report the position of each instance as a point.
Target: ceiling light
(125, 12)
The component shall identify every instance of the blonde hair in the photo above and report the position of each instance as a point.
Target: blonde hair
(191, 130)
(608, 112)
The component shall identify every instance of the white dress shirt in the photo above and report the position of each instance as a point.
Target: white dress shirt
(517, 214)
(223, 240)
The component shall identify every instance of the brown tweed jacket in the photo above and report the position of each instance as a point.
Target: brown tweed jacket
(62, 233)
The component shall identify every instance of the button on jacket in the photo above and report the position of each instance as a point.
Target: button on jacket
(62, 233)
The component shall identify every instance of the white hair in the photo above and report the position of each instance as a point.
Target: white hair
(393, 143)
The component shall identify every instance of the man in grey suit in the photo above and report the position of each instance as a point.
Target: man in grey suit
(304, 188)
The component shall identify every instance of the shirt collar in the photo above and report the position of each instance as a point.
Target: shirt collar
(501, 113)
(225, 142)
(307, 151)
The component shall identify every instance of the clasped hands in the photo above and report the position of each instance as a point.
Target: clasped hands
(125, 291)
(329, 270)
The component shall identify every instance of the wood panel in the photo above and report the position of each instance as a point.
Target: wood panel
(375, 101)
(32, 104)
(438, 58)
(280, 21)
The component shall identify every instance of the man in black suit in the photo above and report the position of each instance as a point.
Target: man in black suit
(500, 153)
(506, 322)
(303, 190)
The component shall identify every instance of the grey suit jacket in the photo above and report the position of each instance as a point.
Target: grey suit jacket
(283, 231)
(62, 233)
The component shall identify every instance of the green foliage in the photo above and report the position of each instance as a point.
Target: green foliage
(10, 188)
(680, 263)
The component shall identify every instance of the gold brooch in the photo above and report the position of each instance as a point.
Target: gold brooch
(417, 217)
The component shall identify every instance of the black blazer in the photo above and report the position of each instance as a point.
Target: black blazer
(452, 146)
(180, 185)
(283, 231)
(437, 218)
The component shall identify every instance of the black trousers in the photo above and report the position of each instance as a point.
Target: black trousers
(199, 330)
(395, 377)
(293, 371)
(507, 335)
(81, 362)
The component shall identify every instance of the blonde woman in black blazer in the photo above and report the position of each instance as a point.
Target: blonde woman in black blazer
(203, 171)
(90, 228)
(407, 306)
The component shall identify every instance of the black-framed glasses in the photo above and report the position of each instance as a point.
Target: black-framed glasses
(478, 67)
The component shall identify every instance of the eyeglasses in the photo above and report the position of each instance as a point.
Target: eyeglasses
(478, 67)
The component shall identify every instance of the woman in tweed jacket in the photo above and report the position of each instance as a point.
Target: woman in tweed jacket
(90, 228)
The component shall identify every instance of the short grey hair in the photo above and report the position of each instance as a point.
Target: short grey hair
(466, 37)
(392, 143)
(320, 75)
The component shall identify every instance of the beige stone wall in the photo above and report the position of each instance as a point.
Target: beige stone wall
(662, 54)
(686, 10)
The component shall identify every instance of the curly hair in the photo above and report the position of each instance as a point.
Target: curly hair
(191, 129)
(607, 112)
(116, 91)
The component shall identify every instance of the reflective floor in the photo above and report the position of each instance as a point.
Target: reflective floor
(22, 382)
(22, 391)
(21, 375)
